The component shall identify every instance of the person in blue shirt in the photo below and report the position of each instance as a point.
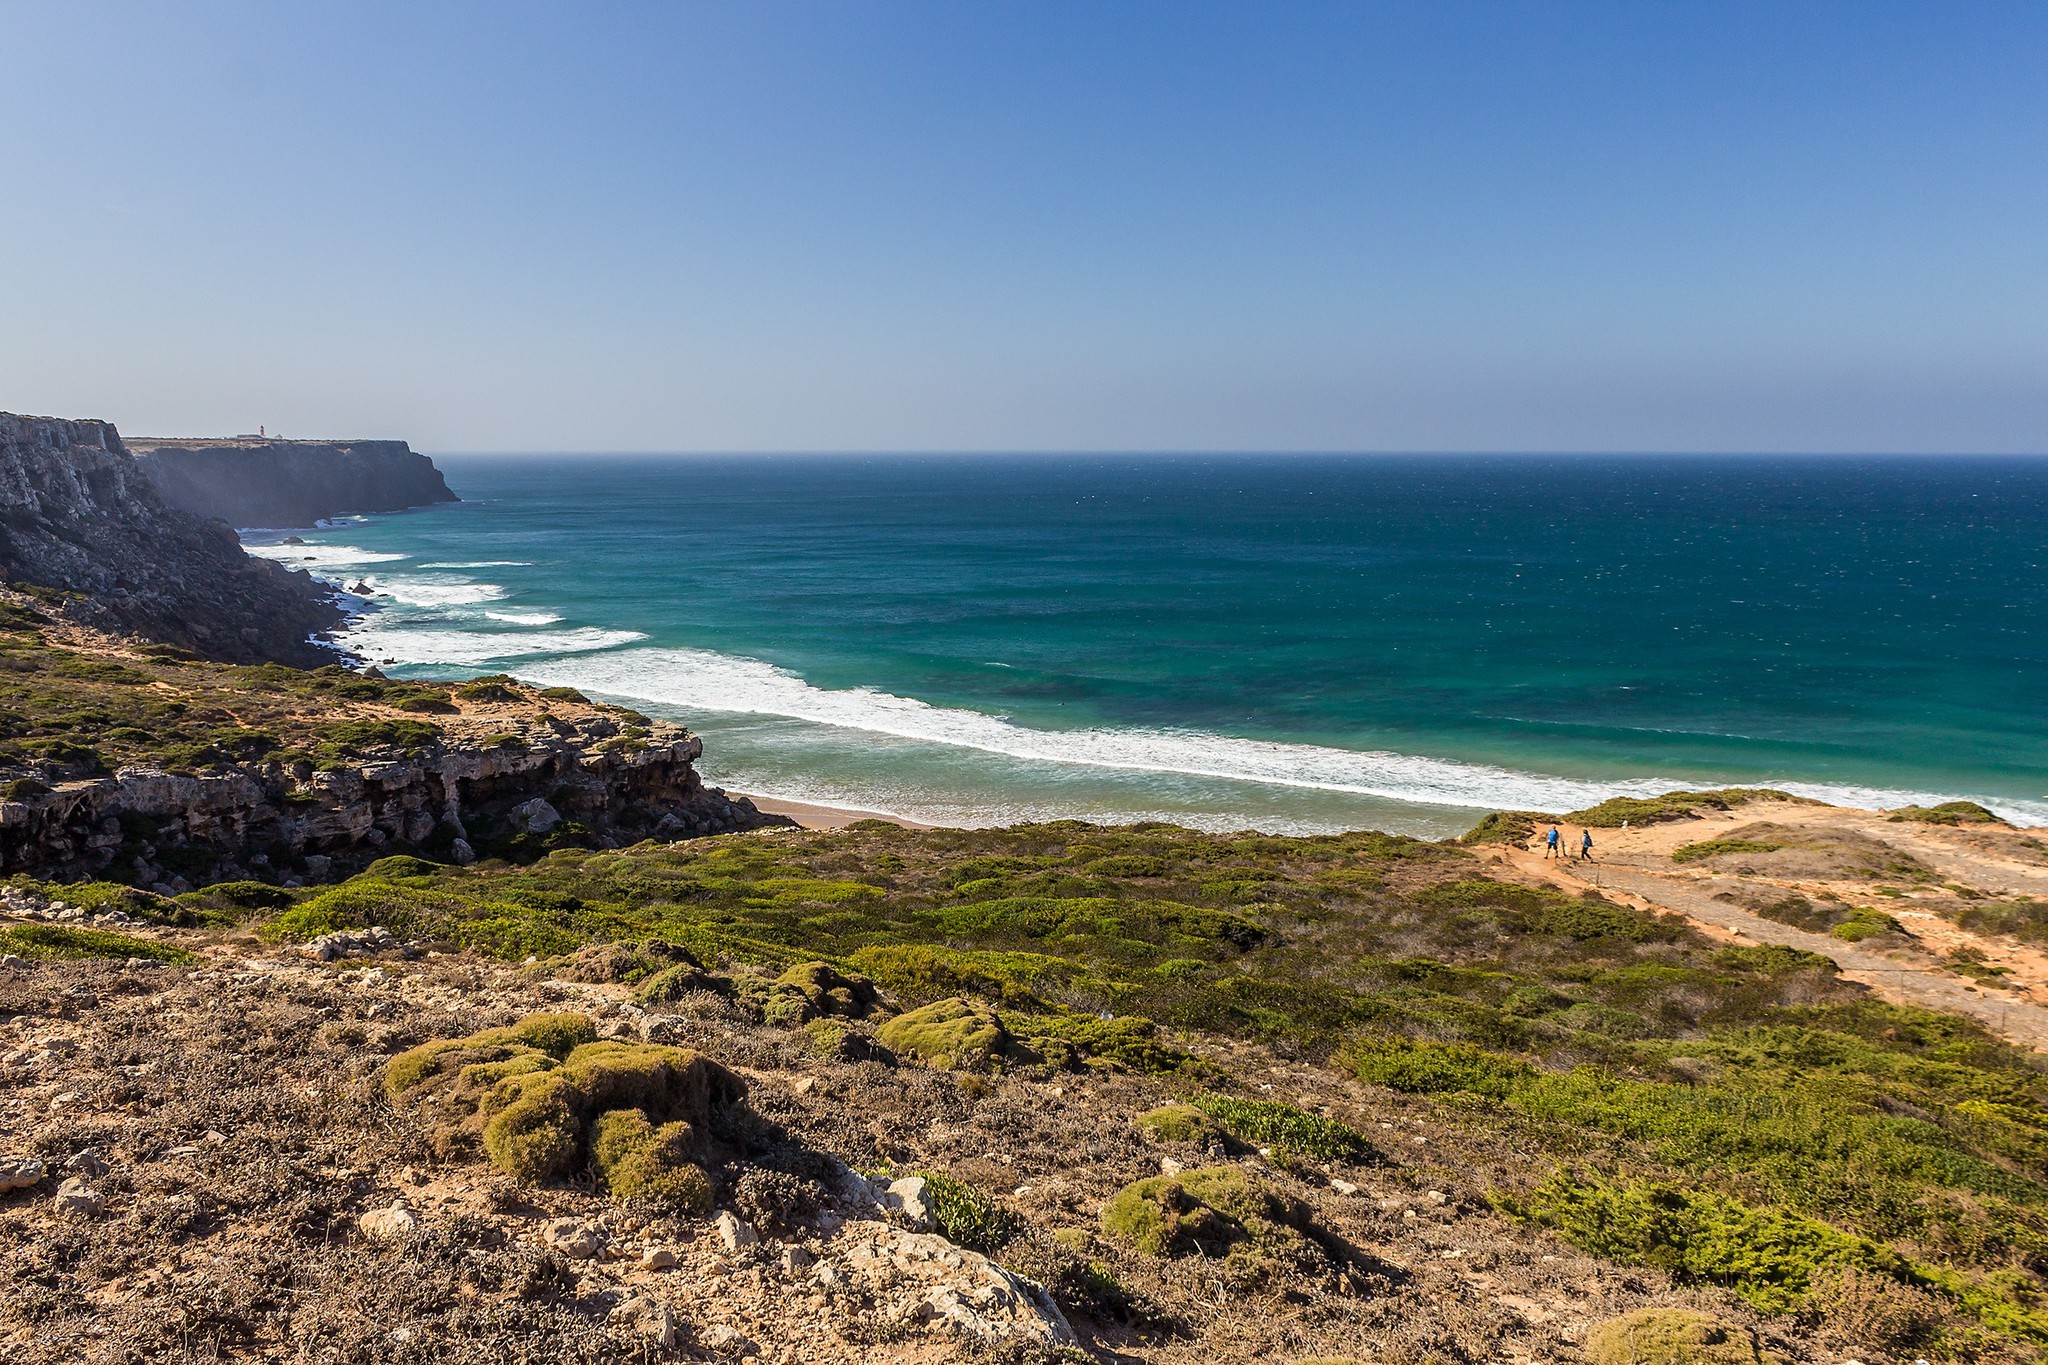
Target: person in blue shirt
(1585, 845)
(1550, 849)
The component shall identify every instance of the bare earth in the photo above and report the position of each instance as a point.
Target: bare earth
(1992, 864)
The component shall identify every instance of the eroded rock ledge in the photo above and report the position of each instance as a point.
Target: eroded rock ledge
(557, 783)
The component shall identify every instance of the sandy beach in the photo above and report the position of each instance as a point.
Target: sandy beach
(812, 816)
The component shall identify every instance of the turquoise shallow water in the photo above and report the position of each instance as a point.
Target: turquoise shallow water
(1290, 643)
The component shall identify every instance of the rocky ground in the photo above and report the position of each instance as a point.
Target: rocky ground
(203, 1165)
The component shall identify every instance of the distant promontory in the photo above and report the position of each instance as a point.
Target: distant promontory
(250, 481)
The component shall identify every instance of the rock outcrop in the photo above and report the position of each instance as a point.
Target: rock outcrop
(246, 481)
(453, 800)
(77, 514)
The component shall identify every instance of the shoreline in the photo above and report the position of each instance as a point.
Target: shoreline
(811, 815)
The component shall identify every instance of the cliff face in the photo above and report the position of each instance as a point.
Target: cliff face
(456, 800)
(288, 483)
(78, 514)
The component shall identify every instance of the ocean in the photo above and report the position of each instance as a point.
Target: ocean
(1287, 643)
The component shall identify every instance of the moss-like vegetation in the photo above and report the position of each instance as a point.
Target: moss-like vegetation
(1863, 923)
(1947, 813)
(1673, 1336)
(957, 1034)
(53, 942)
(1614, 812)
(1178, 1123)
(544, 1097)
(1503, 827)
(1711, 848)
(1208, 1211)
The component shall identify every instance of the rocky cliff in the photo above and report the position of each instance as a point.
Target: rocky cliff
(251, 482)
(78, 515)
(548, 784)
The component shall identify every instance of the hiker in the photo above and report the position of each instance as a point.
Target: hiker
(1585, 845)
(1550, 848)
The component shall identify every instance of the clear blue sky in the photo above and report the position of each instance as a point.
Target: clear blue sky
(505, 226)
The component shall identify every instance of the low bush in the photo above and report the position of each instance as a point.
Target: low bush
(1268, 1123)
(1714, 848)
(57, 942)
(1680, 805)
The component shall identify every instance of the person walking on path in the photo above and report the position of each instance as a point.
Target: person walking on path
(1550, 848)
(1585, 845)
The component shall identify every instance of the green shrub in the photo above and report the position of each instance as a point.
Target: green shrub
(542, 1095)
(1178, 1123)
(56, 942)
(1503, 827)
(966, 1216)
(1947, 813)
(101, 897)
(563, 694)
(1673, 1336)
(1268, 1123)
(1768, 1256)
(637, 1160)
(955, 1034)
(1714, 848)
(1433, 1068)
(1206, 1211)
(1613, 813)
(1865, 923)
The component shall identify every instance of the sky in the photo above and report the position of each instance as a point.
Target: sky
(1032, 226)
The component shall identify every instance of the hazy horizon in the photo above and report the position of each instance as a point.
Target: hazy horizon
(1056, 228)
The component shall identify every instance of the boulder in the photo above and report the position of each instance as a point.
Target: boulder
(574, 1239)
(74, 1197)
(734, 1231)
(394, 1224)
(535, 817)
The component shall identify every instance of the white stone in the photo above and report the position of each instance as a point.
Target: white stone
(657, 1258)
(18, 1173)
(724, 1340)
(578, 1241)
(796, 1260)
(389, 1225)
(74, 1197)
(1344, 1187)
(535, 816)
(647, 1317)
(734, 1231)
(911, 1196)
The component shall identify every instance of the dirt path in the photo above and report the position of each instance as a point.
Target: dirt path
(1628, 871)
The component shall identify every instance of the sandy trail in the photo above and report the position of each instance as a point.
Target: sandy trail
(1634, 866)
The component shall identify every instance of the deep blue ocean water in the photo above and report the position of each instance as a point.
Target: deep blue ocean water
(1291, 643)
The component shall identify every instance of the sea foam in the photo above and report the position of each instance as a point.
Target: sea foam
(703, 679)
(317, 557)
(380, 639)
(428, 592)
